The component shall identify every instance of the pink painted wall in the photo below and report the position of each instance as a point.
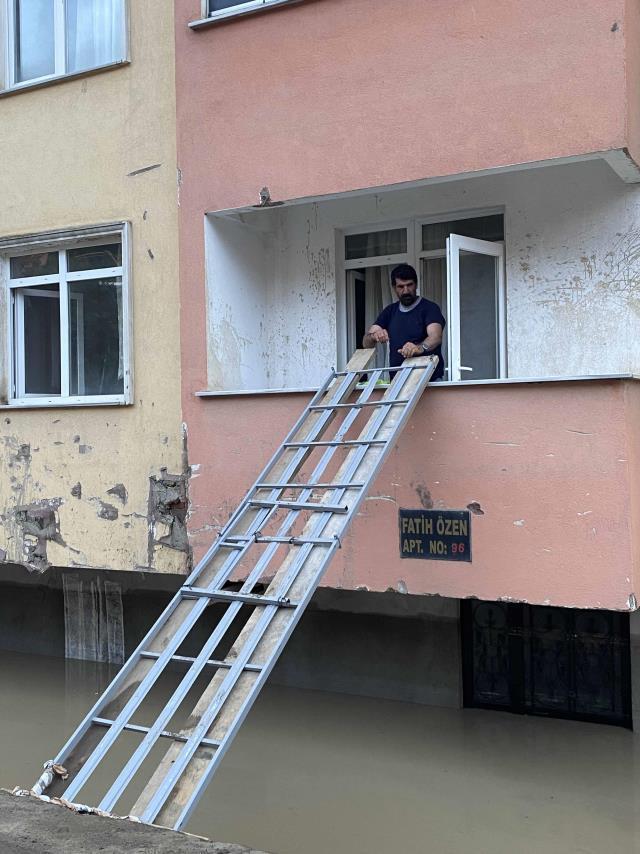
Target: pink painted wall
(551, 465)
(333, 95)
(305, 98)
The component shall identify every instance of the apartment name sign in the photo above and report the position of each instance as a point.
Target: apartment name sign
(435, 534)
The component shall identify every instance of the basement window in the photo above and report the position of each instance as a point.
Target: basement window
(68, 318)
(53, 38)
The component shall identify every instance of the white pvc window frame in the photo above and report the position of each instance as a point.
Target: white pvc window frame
(14, 290)
(242, 7)
(8, 17)
(345, 314)
(456, 244)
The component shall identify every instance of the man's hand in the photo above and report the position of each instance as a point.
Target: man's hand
(376, 335)
(410, 350)
(380, 336)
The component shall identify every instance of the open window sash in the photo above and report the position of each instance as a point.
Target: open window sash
(476, 309)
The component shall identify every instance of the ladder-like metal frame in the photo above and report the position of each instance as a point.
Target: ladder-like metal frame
(195, 753)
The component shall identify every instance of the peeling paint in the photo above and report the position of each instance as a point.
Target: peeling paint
(39, 524)
(107, 511)
(475, 508)
(120, 491)
(168, 505)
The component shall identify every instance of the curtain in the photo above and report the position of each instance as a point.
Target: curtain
(94, 33)
(378, 294)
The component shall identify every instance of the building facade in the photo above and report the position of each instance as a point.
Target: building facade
(93, 461)
(495, 147)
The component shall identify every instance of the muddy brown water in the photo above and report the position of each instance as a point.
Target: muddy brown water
(312, 773)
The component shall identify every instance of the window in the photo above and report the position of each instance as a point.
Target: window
(50, 38)
(460, 265)
(69, 319)
(224, 8)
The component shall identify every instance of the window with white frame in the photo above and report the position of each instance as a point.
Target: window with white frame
(51, 38)
(460, 266)
(68, 319)
(221, 8)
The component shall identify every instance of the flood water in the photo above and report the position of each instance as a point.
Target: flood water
(313, 773)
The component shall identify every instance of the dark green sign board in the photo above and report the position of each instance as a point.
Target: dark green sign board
(435, 534)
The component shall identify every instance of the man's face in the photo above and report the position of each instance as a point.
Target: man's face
(406, 290)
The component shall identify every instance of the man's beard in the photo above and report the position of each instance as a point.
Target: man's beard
(408, 299)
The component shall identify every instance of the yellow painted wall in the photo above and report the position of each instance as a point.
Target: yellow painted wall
(66, 154)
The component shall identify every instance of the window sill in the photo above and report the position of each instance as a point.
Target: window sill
(443, 384)
(64, 403)
(241, 12)
(41, 83)
(255, 392)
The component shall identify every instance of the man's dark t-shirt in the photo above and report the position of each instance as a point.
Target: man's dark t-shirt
(405, 326)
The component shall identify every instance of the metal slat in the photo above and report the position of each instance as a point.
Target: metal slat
(300, 505)
(309, 486)
(321, 407)
(212, 662)
(291, 541)
(336, 443)
(395, 370)
(231, 596)
(107, 722)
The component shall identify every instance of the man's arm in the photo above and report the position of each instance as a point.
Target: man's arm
(376, 335)
(430, 343)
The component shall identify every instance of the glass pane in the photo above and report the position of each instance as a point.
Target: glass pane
(42, 342)
(96, 359)
(35, 51)
(434, 235)
(392, 242)
(217, 5)
(94, 257)
(478, 315)
(38, 264)
(95, 33)
(371, 292)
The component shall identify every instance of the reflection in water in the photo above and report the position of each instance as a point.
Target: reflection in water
(312, 773)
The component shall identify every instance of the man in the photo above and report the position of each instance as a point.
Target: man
(413, 326)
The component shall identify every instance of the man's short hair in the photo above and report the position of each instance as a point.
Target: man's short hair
(404, 271)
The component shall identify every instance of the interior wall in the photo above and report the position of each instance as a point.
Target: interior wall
(572, 271)
(240, 281)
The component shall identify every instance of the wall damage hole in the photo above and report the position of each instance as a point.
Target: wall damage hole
(168, 507)
(40, 524)
(120, 491)
(76, 490)
(475, 508)
(107, 511)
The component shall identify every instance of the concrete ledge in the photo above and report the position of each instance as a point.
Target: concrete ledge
(30, 826)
